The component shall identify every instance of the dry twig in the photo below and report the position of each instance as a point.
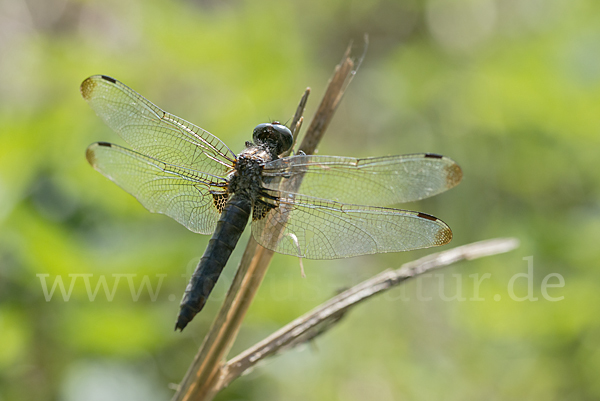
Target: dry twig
(324, 316)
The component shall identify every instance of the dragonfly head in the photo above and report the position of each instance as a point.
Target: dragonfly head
(274, 133)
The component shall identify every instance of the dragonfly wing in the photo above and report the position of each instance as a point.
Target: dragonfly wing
(154, 132)
(190, 197)
(318, 229)
(375, 181)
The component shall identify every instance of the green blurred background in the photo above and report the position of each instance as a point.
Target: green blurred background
(510, 89)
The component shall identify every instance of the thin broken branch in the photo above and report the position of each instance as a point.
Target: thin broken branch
(323, 317)
(342, 76)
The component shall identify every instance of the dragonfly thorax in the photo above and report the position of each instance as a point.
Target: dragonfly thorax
(247, 176)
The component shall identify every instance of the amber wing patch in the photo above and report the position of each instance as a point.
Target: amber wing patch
(261, 209)
(453, 175)
(87, 87)
(219, 200)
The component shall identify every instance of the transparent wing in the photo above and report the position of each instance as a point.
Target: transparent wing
(154, 132)
(190, 197)
(375, 181)
(319, 229)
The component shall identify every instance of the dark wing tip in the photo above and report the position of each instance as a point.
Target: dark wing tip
(444, 234)
(453, 171)
(454, 175)
(87, 87)
(90, 154)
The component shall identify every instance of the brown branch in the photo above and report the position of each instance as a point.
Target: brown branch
(323, 317)
(342, 76)
(202, 378)
(297, 121)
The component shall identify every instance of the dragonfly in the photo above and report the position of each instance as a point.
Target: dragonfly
(178, 169)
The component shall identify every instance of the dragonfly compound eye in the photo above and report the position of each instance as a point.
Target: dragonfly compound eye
(275, 132)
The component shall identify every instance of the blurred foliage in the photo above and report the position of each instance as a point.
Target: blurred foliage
(510, 89)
